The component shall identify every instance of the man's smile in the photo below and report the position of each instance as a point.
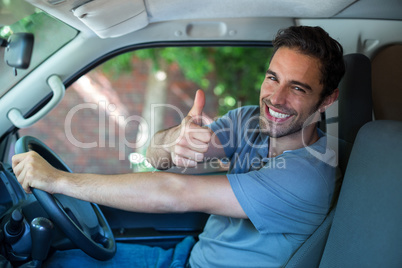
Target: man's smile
(276, 115)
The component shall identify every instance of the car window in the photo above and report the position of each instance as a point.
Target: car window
(50, 35)
(107, 117)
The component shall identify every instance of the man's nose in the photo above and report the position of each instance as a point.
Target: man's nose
(279, 96)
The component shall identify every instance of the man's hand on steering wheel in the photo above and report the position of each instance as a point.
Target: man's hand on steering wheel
(41, 171)
(32, 171)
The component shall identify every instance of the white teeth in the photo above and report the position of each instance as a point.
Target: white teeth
(277, 115)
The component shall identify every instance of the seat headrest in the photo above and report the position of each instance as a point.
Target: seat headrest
(355, 103)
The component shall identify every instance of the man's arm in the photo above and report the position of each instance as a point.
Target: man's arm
(186, 144)
(158, 192)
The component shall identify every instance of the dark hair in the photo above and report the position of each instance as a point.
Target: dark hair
(314, 41)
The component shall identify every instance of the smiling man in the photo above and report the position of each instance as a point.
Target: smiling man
(275, 194)
(283, 190)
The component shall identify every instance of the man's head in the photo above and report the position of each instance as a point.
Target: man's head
(303, 76)
(315, 42)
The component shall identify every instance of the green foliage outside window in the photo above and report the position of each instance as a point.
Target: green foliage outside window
(238, 71)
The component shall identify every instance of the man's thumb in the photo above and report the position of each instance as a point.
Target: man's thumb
(198, 106)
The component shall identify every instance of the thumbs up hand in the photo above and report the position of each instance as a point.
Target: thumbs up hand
(196, 111)
(192, 140)
(187, 144)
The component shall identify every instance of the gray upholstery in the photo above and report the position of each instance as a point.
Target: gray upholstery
(355, 103)
(309, 254)
(367, 226)
(355, 109)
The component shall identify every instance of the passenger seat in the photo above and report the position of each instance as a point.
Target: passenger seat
(367, 227)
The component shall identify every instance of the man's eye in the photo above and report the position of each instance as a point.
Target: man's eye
(273, 78)
(300, 89)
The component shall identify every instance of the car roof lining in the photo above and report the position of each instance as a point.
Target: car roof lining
(110, 19)
(373, 9)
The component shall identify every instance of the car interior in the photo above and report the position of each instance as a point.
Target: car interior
(64, 62)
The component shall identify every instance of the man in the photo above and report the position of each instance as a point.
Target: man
(276, 192)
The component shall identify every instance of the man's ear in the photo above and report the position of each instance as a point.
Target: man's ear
(328, 101)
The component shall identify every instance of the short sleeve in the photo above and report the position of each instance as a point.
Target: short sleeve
(230, 127)
(283, 197)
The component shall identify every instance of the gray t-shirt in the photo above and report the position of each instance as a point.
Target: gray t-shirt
(285, 198)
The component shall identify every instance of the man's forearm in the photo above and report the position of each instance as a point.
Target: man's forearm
(141, 192)
(153, 192)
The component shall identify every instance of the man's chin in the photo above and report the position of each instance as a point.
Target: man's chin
(274, 132)
(269, 130)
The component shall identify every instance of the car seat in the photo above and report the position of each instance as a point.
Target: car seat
(367, 227)
(353, 111)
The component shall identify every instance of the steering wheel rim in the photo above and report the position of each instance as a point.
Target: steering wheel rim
(96, 241)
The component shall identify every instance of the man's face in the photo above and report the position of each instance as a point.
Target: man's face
(289, 93)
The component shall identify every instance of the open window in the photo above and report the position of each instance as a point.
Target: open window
(108, 115)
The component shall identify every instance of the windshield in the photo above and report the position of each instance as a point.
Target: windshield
(50, 35)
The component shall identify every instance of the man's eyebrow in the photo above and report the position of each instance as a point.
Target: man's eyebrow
(303, 85)
(271, 72)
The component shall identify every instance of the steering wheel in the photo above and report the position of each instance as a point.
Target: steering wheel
(82, 222)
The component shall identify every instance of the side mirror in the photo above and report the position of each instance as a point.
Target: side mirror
(18, 50)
